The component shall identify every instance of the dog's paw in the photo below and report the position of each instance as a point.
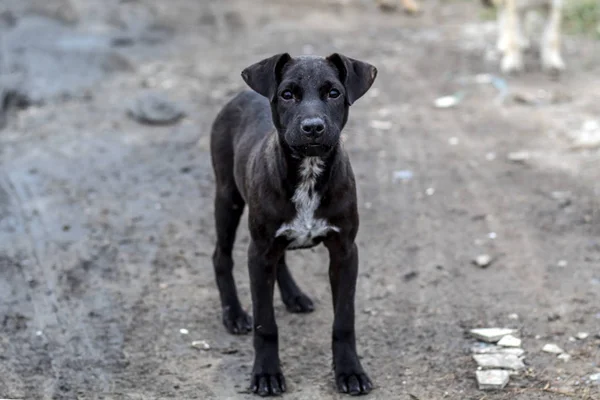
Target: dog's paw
(237, 322)
(512, 62)
(552, 62)
(268, 383)
(354, 382)
(300, 303)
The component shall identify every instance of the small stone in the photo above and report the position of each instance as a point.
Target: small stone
(39, 333)
(509, 341)
(201, 344)
(564, 357)
(582, 335)
(493, 379)
(571, 339)
(490, 156)
(499, 360)
(153, 108)
(513, 316)
(381, 125)
(492, 235)
(498, 350)
(518, 156)
(552, 348)
(184, 331)
(446, 102)
(483, 260)
(430, 191)
(453, 141)
(595, 377)
(562, 263)
(491, 335)
(538, 337)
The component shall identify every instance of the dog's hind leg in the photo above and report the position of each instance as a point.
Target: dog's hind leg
(293, 297)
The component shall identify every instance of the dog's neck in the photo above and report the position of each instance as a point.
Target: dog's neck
(295, 170)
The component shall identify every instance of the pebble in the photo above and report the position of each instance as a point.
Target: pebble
(493, 379)
(562, 263)
(552, 348)
(595, 377)
(201, 344)
(513, 316)
(492, 235)
(446, 102)
(582, 335)
(496, 349)
(184, 331)
(564, 357)
(430, 191)
(499, 360)
(491, 335)
(518, 156)
(155, 109)
(381, 125)
(509, 341)
(453, 141)
(483, 260)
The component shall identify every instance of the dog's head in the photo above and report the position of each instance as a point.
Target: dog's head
(310, 97)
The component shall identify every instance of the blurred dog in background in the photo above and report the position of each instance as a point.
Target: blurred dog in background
(513, 35)
(409, 6)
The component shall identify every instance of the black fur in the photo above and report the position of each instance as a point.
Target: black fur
(259, 140)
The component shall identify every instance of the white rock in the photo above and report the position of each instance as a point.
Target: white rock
(498, 360)
(518, 156)
(446, 102)
(571, 339)
(564, 356)
(562, 263)
(509, 341)
(184, 331)
(493, 379)
(497, 349)
(453, 141)
(595, 377)
(582, 335)
(513, 316)
(381, 125)
(483, 260)
(552, 348)
(430, 191)
(491, 335)
(201, 344)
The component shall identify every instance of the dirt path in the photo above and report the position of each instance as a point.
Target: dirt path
(106, 225)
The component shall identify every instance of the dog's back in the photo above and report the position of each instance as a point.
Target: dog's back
(243, 122)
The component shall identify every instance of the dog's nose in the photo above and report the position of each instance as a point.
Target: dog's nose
(313, 127)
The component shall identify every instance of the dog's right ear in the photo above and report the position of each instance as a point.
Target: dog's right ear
(264, 76)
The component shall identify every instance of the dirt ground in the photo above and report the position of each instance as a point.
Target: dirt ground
(106, 225)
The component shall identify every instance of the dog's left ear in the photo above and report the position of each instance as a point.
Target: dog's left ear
(357, 76)
(264, 76)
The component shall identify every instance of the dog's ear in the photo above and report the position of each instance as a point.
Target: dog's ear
(357, 76)
(264, 76)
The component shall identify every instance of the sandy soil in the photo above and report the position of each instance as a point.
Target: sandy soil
(106, 224)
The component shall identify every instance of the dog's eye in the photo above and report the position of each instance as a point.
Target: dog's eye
(334, 93)
(287, 95)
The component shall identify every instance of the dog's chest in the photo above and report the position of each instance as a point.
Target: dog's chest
(304, 230)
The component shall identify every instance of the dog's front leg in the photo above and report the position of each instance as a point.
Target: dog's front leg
(343, 271)
(267, 378)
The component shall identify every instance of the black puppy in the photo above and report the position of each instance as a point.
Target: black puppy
(279, 152)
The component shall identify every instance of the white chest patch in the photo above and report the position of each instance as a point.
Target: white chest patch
(305, 228)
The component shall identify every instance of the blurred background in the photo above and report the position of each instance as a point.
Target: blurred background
(479, 199)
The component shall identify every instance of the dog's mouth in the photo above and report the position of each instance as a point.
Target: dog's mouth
(312, 149)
